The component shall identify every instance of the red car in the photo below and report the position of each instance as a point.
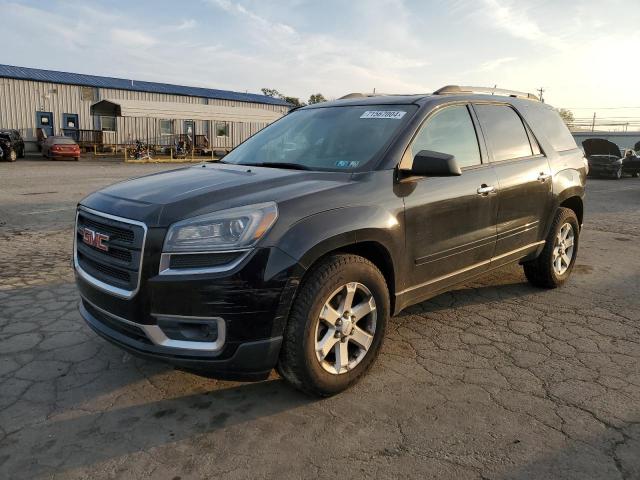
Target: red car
(60, 147)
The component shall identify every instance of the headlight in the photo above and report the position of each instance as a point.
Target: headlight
(224, 230)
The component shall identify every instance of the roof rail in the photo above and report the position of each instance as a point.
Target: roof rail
(456, 89)
(363, 95)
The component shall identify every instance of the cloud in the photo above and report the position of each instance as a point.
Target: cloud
(334, 47)
(516, 21)
(132, 38)
(494, 64)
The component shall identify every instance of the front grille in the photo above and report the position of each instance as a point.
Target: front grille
(125, 235)
(119, 264)
(131, 331)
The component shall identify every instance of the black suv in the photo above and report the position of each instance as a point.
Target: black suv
(294, 251)
(11, 145)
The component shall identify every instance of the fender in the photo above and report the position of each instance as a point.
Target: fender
(567, 183)
(314, 236)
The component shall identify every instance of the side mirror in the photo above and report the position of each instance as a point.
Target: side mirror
(427, 163)
(219, 153)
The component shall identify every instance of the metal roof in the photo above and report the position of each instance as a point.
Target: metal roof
(194, 111)
(52, 76)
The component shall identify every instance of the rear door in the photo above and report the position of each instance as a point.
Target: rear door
(524, 180)
(450, 221)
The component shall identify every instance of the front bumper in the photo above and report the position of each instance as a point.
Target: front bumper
(250, 361)
(249, 306)
(608, 169)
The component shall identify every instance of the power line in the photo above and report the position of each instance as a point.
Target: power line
(599, 108)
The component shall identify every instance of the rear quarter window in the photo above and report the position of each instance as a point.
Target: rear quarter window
(545, 121)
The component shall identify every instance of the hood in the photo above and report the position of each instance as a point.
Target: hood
(163, 198)
(600, 146)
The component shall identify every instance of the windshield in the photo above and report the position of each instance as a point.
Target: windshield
(329, 138)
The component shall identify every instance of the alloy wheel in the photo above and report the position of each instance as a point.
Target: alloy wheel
(563, 249)
(345, 328)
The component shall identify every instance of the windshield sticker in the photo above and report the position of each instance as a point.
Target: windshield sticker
(390, 114)
(347, 164)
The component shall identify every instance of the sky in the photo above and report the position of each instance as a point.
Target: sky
(585, 54)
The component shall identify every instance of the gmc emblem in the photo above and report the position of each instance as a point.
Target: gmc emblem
(95, 239)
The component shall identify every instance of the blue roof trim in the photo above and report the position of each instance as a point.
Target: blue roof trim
(51, 76)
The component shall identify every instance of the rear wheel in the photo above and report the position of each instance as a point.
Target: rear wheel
(336, 325)
(553, 266)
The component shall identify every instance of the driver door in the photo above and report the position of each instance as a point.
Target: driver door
(450, 221)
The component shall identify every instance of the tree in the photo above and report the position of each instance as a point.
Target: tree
(316, 98)
(295, 101)
(271, 92)
(566, 115)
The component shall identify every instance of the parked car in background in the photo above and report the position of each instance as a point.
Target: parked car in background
(631, 163)
(604, 158)
(60, 147)
(12, 145)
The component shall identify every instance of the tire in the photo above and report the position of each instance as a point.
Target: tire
(618, 174)
(541, 272)
(12, 155)
(637, 174)
(300, 364)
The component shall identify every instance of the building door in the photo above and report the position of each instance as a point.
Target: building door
(44, 121)
(190, 128)
(70, 125)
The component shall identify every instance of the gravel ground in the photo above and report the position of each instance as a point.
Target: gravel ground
(495, 380)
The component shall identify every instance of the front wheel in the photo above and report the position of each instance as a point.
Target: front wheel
(336, 325)
(12, 156)
(618, 174)
(553, 266)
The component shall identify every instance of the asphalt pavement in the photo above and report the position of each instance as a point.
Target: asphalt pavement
(495, 380)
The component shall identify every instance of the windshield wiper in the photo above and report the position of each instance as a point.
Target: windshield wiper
(292, 166)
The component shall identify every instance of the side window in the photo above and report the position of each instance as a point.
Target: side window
(504, 131)
(450, 131)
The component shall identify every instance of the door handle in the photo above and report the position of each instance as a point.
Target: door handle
(486, 189)
(543, 177)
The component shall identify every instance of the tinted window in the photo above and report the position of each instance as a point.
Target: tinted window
(504, 131)
(450, 131)
(546, 121)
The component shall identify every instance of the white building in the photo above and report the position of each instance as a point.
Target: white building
(118, 111)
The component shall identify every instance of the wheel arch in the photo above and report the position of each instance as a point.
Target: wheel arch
(576, 204)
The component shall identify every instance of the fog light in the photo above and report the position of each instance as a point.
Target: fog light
(189, 330)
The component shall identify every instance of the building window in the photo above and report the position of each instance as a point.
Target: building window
(222, 129)
(108, 124)
(166, 127)
(88, 94)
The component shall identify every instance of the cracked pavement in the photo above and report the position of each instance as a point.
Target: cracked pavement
(495, 380)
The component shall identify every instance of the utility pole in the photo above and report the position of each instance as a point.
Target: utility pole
(541, 91)
(593, 122)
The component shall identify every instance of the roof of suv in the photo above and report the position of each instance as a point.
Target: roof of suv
(450, 91)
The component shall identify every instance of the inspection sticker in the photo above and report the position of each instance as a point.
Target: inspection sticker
(392, 114)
